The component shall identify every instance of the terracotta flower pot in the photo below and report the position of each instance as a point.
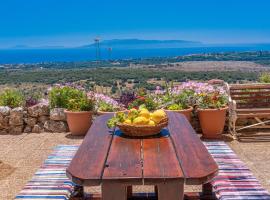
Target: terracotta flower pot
(79, 122)
(212, 122)
(187, 112)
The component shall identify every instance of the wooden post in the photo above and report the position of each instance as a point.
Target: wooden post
(173, 190)
(113, 191)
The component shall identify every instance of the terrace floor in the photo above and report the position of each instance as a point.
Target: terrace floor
(21, 155)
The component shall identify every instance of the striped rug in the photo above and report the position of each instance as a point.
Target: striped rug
(50, 181)
(234, 181)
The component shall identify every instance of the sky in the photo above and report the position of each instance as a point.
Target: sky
(77, 22)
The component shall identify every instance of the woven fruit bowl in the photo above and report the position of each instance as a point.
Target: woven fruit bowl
(142, 130)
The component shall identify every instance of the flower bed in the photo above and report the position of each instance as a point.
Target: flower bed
(32, 114)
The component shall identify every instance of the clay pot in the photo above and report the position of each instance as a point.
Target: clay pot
(187, 112)
(79, 122)
(212, 122)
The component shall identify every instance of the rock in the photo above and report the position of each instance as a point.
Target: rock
(37, 129)
(4, 110)
(44, 109)
(33, 111)
(16, 116)
(56, 126)
(4, 122)
(43, 119)
(58, 114)
(39, 110)
(25, 114)
(30, 121)
(27, 129)
(16, 129)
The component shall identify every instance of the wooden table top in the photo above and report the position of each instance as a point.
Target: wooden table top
(107, 155)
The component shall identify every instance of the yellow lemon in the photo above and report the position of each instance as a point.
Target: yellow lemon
(151, 123)
(158, 115)
(144, 113)
(140, 121)
(127, 121)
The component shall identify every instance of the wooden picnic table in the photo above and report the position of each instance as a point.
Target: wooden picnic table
(174, 158)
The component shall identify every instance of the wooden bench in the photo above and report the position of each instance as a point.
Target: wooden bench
(249, 101)
(234, 180)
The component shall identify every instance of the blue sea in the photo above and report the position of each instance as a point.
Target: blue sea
(17, 56)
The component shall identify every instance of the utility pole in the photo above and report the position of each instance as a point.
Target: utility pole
(110, 53)
(97, 44)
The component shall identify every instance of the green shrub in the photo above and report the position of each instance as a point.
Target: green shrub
(70, 98)
(80, 103)
(265, 77)
(11, 98)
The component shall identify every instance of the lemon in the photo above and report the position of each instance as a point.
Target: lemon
(158, 115)
(140, 121)
(144, 113)
(127, 121)
(151, 123)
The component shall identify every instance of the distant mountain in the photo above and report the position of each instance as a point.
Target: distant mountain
(20, 47)
(144, 44)
(36, 47)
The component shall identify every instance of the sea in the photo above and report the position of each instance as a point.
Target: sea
(27, 56)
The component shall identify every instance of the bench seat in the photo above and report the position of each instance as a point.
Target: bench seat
(234, 180)
(50, 181)
(250, 102)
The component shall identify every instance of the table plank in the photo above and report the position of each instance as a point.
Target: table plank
(86, 168)
(160, 161)
(124, 160)
(196, 162)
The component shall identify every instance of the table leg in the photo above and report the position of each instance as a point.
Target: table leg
(207, 189)
(129, 191)
(78, 193)
(173, 190)
(113, 191)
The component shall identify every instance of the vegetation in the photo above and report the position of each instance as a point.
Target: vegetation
(80, 103)
(70, 98)
(265, 77)
(11, 98)
(109, 76)
(147, 102)
(105, 103)
(113, 77)
(211, 98)
(178, 101)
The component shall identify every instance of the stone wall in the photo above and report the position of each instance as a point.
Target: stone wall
(40, 118)
(36, 119)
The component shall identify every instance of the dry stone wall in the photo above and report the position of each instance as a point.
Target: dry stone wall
(40, 118)
(36, 119)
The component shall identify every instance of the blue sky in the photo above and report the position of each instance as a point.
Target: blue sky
(77, 22)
